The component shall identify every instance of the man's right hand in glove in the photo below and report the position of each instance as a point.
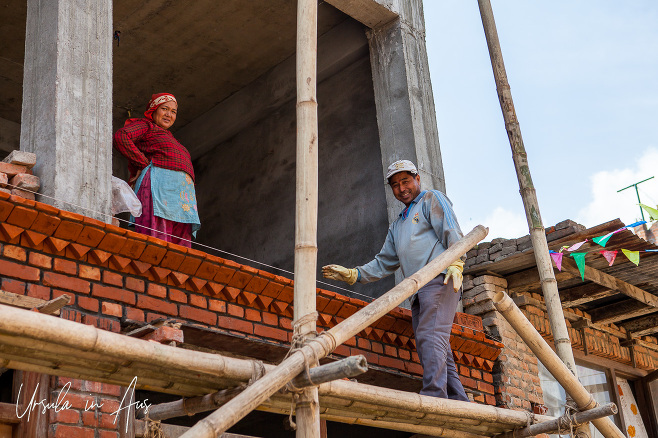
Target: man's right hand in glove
(337, 272)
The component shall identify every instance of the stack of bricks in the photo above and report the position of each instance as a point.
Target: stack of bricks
(117, 277)
(16, 176)
(499, 249)
(516, 372)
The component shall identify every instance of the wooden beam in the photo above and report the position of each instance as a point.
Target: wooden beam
(527, 280)
(643, 326)
(372, 13)
(621, 311)
(22, 301)
(612, 283)
(8, 413)
(52, 306)
(586, 293)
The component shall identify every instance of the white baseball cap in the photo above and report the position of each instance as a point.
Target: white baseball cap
(401, 166)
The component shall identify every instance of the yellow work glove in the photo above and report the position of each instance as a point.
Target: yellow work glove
(454, 271)
(340, 273)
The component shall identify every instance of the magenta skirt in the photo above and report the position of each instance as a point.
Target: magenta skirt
(151, 225)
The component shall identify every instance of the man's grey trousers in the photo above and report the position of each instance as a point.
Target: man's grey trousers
(432, 312)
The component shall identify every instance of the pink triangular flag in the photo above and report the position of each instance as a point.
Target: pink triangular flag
(575, 246)
(609, 256)
(557, 258)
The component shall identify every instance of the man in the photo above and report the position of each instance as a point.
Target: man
(425, 228)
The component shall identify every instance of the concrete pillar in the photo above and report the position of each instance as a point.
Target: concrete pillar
(67, 102)
(403, 95)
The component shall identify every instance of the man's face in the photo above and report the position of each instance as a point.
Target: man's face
(405, 186)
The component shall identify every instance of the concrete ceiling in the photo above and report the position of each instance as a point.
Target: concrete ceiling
(202, 51)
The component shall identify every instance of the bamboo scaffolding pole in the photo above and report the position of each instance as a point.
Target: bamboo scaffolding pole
(306, 205)
(583, 399)
(345, 368)
(220, 420)
(529, 196)
(563, 424)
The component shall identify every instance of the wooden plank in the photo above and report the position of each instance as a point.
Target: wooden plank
(372, 13)
(8, 413)
(620, 311)
(586, 293)
(527, 280)
(643, 326)
(21, 301)
(612, 283)
(35, 385)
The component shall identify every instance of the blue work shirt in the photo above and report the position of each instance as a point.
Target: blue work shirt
(422, 231)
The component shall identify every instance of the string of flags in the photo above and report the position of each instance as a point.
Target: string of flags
(610, 256)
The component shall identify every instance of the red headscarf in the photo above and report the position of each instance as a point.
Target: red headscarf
(156, 101)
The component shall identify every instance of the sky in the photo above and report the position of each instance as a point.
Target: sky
(584, 79)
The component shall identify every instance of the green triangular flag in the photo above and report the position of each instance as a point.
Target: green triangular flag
(653, 213)
(579, 257)
(602, 240)
(633, 256)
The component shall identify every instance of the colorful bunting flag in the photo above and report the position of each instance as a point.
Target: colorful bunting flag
(557, 258)
(610, 256)
(602, 240)
(579, 257)
(576, 246)
(653, 213)
(635, 224)
(633, 256)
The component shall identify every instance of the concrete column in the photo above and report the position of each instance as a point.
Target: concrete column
(403, 95)
(67, 102)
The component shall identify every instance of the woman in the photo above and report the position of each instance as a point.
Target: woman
(161, 170)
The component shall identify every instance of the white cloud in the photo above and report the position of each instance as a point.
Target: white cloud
(501, 223)
(606, 204)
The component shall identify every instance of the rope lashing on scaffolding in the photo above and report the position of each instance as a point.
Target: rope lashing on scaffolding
(257, 371)
(153, 429)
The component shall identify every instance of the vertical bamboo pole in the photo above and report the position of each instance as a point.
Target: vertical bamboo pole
(529, 196)
(307, 408)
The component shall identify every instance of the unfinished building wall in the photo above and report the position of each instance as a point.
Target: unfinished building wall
(246, 185)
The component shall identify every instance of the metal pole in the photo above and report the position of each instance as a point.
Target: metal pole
(637, 193)
(529, 196)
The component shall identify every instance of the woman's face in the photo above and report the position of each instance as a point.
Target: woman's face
(165, 115)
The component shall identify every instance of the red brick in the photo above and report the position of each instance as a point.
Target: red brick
(69, 416)
(216, 305)
(363, 343)
(198, 301)
(270, 318)
(112, 243)
(347, 310)
(133, 248)
(214, 288)
(390, 351)
(5, 209)
(197, 284)
(240, 280)
(99, 257)
(11, 269)
(150, 303)
(110, 325)
(252, 315)
(273, 289)
(287, 294)
(37, 291)
(90, 320)
(179, 278)
(239, 325)
(377, 347)
(90, 236)
(177, 295)
(270, 332)
(485, 387)
(66, 282)
(90, 272)
(235, 310)
(87, 303)
(172, 260)
(68, 230)
(65, 266)
(198, 315)
(231, 293)
(140, 267)
(207, 270)
(256, 285)
(159, 274)
(156, 290)
(13, 286)
(113, 293)
(45, 224)
(32, 239)
(107, 434)
(391, 363)
(22, 217)
(165, 334)
(247, 298)
(153, 254)
(468, 382)
(108, 389)
(112, 278)
(134, 314)
(15, 252)
(112, 309)
(134, 284)
(12, 169)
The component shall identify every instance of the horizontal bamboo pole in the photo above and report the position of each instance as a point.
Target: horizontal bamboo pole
(229, 414)
(345, 368)
(562, 424)
(583, 399)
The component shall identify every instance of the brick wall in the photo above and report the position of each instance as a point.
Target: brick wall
(116, 277)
